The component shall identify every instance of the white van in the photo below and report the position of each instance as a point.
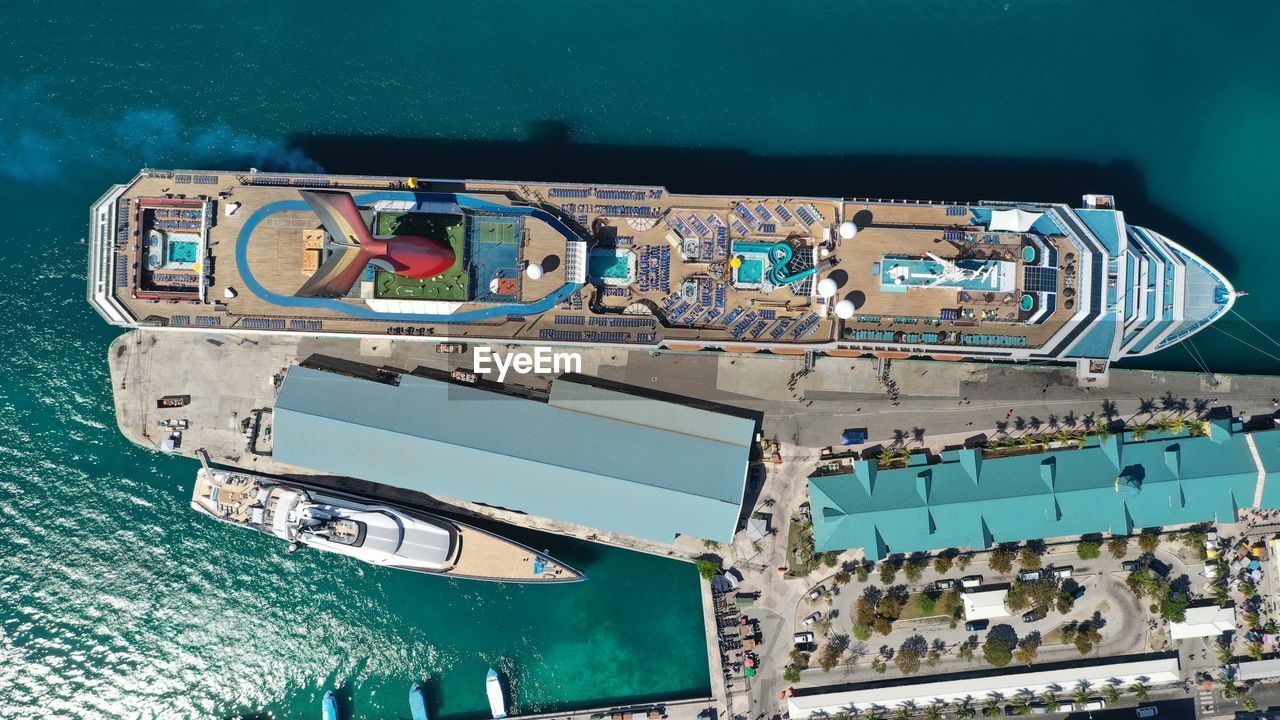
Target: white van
(1062, 573)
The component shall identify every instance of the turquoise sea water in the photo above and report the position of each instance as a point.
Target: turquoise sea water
(119, 602)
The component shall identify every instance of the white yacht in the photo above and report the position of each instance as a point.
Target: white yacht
(376, 533)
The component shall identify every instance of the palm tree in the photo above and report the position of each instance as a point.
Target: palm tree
(902, 713)
(1050, 700)
(1140, 433)
(872, 713)
(1020, 705)
(991, 708)
(1103, 432)
(1080, 694)
(1224, 652)
(1178, 425)
(1110, 694)
(1139, 690)
(932, 713)
(963, 711)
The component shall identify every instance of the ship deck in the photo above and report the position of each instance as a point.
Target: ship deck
(685, 292)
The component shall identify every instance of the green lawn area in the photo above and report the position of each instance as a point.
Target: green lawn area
(912, 609)
(800, 537)
(451, 284)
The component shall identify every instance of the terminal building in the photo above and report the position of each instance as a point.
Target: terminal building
(1112, 486)
(591, 456)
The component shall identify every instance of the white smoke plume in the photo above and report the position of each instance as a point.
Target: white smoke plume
(41, 141)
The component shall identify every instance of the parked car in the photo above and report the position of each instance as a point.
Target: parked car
(976, 625)
(817, 592)
(1079, 592)
(1038, 709)
(971, 581)
(813, 618)
(944, 584)
(1094, 704)
(1029, 575)
(1157, 567)
(1148, 712)
(804, 638)
(1130, 565)
(1062, 573)
(1035, 614)
(451, 348)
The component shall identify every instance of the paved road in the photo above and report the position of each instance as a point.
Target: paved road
(1170, 708)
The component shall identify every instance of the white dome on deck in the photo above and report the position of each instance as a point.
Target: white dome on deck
(844, 309)
(848, 230)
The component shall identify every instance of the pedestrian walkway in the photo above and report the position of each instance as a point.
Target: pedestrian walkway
(1205, 702)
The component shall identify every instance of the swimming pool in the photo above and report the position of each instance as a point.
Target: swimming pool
(612, 267)
(172, 252)
(751, 271)
(183, 251)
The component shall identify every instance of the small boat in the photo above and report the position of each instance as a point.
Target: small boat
(370, 530)
(330, 706)
(497, 703)
(418, 702)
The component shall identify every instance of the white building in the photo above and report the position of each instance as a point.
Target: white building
(1006, 682)
(986, 605)
(1206, 621)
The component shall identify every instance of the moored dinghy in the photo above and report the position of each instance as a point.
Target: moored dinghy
(497, 702)
(418, 702)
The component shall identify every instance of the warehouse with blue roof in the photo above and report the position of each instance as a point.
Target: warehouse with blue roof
(1112, 486)
(590, 456)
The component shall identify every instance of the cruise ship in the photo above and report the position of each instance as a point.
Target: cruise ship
(639, 266)
(373, 532)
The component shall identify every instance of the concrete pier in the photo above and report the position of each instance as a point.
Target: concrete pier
(673, 710)
(228, 376)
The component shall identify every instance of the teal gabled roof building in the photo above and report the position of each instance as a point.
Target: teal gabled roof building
(591, 456)
(1114, 486)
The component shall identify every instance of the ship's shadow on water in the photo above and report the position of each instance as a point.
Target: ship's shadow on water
(549, 153)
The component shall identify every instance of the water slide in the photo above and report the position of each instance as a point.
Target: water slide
(780, 275)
